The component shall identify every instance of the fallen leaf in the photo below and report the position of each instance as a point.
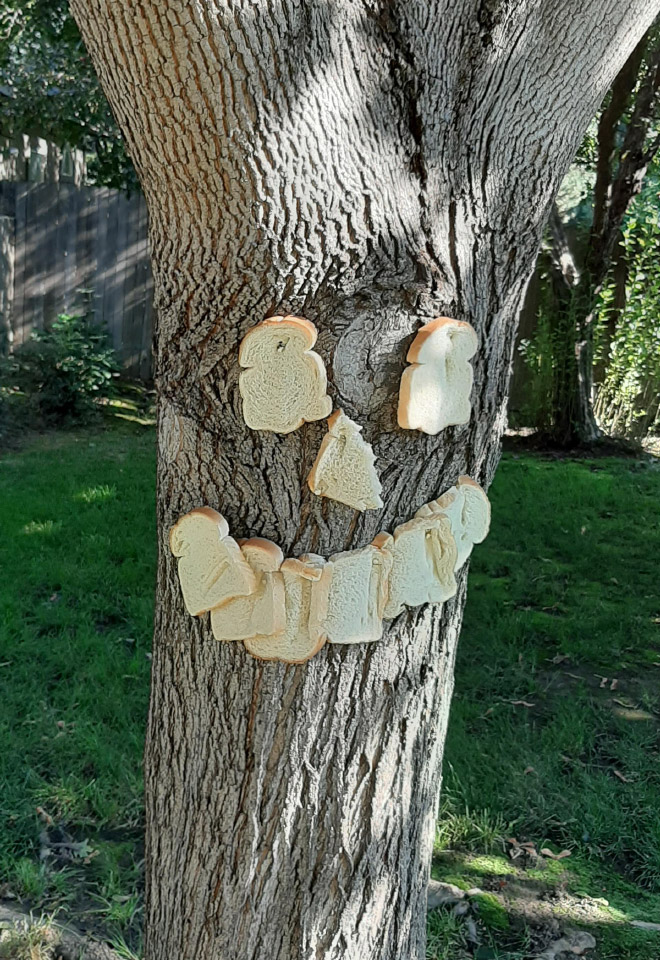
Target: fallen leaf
(529, 770)
(614, 684)
(555, 856)
(521, 703)
(46, 817)
(440, 894)
(575, 943)
(620, 776)
(471, 931)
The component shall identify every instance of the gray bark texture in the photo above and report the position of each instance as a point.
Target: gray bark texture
(367, 165)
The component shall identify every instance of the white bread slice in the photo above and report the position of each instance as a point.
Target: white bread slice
(358, 593)
(435, 389)
(262, 612)
(284, 382)
(468, 509)
(212, 569)
(344, 467)
(305, 577)
(424, 557)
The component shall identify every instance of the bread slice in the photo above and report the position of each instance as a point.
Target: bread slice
(262, 612)
(358, 593)
(283, 383)
(307, 577)
(344, 467)
(435, 390)
(212, 569)
(468, 510)
(424, 557)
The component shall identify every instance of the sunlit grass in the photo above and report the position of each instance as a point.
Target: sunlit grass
(76, 610)
(562, 594)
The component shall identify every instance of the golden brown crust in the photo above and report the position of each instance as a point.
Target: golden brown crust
(334, 417)
(207, 512)
(383, 540)
(299, 323)
(429, 329)
(468, 481)
(271, 552)
(264, 659)
(300, 568)
(327, 440)
(405, 388)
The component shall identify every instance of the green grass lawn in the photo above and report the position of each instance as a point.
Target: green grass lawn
(541, 746)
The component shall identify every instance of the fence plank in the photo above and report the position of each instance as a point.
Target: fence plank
(7, 260)
(19, 273)
(67, 239)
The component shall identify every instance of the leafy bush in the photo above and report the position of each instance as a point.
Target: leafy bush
(628, 398)
(63, 371)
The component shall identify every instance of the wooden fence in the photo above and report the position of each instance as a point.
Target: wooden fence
(62, 247)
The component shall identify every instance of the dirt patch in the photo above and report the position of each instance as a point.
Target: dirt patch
(43, 939)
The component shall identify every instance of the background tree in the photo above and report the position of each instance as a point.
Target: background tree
(369, 166)
(48, 88)
(581, 257)
(627, 334)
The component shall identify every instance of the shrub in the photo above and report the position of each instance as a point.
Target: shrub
(64, 370)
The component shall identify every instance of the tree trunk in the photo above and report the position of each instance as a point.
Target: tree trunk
(369, 166)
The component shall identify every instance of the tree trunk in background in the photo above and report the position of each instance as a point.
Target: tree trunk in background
(620, 170)
(369, 166)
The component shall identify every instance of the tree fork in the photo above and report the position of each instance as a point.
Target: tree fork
(368, 166)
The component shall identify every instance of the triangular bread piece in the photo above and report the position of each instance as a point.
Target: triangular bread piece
(212, 569)
(468, 509)
(424, 557)
(344, 467)
(283, 383)
(262, 612)
(435, 390)
(358, 593)
(304, 578)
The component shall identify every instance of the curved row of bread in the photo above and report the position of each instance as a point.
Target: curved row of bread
(288, 609)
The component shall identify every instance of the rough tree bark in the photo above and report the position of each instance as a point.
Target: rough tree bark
(369, 166)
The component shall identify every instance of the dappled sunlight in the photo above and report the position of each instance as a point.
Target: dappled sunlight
(96, 494)
(43, 527)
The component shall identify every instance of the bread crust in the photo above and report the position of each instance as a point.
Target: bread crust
(272, 557)
(369, 485)
(408, 414)
(427, 331)
(457, 513)
(315, 570)
(206, 554)
(281, 394)
(209, 513)
(306, 327)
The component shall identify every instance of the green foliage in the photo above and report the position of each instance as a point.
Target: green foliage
(48, 88)
(76, 616)
(562, 593)
(549, 354)
(629, 396)
(64, 370)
